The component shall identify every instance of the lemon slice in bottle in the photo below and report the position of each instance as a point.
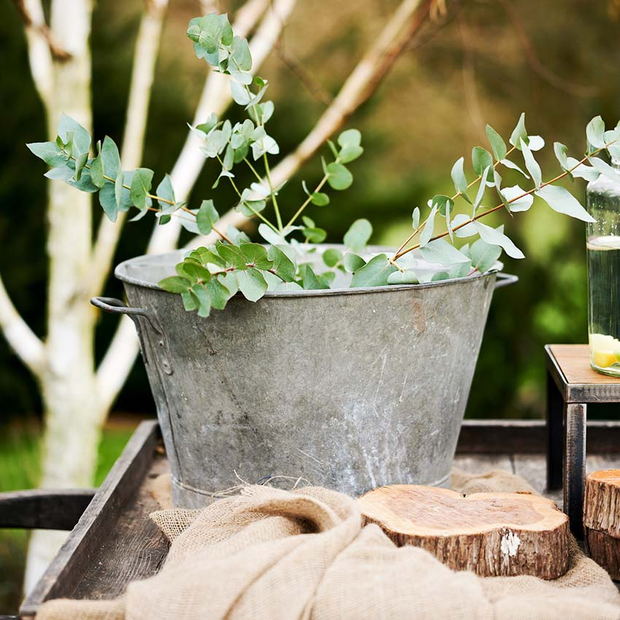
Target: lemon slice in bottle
(605, 350)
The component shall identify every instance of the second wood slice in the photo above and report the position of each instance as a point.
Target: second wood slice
(491, 534)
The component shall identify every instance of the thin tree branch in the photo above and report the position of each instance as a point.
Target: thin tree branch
(143, 74)
(27, 346)
(557, 81)
(359, 86)
(39, 53)
(32, 14)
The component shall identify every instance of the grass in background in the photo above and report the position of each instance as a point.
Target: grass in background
(20, 469)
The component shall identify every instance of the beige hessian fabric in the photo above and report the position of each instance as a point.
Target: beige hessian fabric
(280, 555)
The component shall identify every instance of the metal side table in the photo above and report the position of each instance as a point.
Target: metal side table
(571, 385)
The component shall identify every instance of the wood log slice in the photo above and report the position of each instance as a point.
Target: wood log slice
(491, 534)
(601, 519)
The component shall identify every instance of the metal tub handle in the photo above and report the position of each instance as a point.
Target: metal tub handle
(116, 306)
(505, 279)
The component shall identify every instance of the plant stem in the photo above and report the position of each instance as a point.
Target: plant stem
(307, 201)
(256, 213)
(253, 169)
(273, 194)
(401, 253)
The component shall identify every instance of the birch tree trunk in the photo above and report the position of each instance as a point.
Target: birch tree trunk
(71, 434)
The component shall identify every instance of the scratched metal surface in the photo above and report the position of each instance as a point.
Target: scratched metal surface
(351, 389)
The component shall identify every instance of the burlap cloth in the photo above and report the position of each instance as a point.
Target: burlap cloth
(272, 554)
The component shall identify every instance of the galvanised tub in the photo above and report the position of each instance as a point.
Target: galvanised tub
(346, 388)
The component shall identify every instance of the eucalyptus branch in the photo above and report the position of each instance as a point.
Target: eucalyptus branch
(453, 198)
(401, 253)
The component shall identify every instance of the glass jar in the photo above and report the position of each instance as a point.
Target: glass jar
(603, 250)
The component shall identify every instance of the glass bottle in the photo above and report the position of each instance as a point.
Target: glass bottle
(603, 250)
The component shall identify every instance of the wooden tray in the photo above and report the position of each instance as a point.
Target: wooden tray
(115, 542)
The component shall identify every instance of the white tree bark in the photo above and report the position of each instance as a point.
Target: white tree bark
(142, 77)
(20, 337)
(71, 436)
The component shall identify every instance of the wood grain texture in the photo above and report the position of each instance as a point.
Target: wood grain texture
(491, 534)
(601, 508)
(574, 359)
(569, 366)
(604, 550)
(99, 520)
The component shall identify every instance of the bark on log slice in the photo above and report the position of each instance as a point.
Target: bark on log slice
(604, 550)
(601, 506)
(491, 534)
(601, 519)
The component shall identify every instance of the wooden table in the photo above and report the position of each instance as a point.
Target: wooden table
(113, 541)
(571, 385)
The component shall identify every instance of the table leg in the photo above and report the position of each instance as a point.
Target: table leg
(555, 436)
(575, 418)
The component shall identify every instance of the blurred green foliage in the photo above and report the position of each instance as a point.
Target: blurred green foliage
(486, 62)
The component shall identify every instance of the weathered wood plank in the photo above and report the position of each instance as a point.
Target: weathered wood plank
(134, 549)
(98, 521)
(529, 437)
(44, 509)
(481, 463)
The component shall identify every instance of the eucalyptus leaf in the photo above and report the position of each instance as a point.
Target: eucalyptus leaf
(107, 200)
(605, 169)
(531, 164)
(562, 201)
(595, 133)
(484, 255)
(481, 161)
(339, 178)
(358, 235)
(374, 273)
(442, 252)
(582, 171)
(352, 262)
(332, 256)
(519, 133)
(282, 264)
(498, 146)
(522, 204)
(561, 154)
(495, 236)
(427, 232)
(140, 186)
(458, 176)
(415, 218)
(403, 277)
(174, 284)
(206, 217)
(49, 152)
